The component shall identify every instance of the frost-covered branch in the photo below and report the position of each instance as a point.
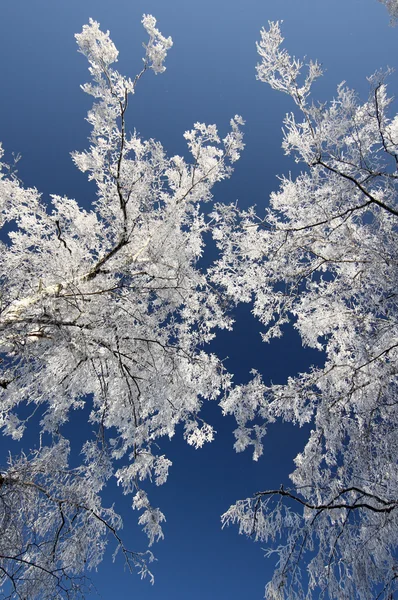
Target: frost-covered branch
(392, 7)
(53, 525)
(106, 306)
(324, 258)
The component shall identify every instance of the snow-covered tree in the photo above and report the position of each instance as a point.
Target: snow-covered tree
(324, 258)
(105, 307)
(392, 7)
(53, 524)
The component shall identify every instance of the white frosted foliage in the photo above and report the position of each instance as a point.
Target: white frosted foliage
(105, 308)
(324, 258)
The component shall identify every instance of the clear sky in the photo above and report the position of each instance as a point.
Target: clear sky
(210, 77)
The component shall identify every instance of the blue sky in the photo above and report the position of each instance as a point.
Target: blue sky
(210, 77)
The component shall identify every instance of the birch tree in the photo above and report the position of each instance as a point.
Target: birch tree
(104, 306)
(324, 258)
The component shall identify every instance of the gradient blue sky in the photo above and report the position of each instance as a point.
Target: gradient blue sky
(210, 77)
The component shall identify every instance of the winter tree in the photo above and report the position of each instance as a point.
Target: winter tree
(392, 7)
(324, 258)
(104, 307)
